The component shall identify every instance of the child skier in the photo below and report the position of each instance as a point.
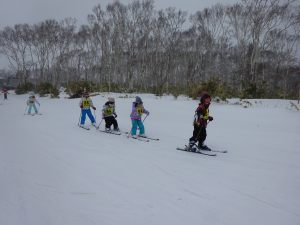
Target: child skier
(85, 104)
(136, 117)
(200, 123)
(109, 115)
(31, 104)
(5, 92)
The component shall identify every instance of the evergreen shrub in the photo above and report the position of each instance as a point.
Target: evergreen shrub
(24, 88)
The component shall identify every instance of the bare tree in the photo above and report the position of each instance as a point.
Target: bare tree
(14, 45)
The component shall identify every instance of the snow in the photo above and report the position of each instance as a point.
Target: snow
(54, 173)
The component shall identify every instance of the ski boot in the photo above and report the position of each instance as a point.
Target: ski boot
(116, 130)
(191, 147)
(203, 147)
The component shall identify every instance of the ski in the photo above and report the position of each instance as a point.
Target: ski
(199, 152)
(212, 150)
(148, 138)
(86, 128)
(138, 138)
(110, 132)
(33, 114)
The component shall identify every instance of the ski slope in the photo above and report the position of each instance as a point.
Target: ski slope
(54, 173)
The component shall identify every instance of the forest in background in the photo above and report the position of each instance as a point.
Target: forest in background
(246, 50)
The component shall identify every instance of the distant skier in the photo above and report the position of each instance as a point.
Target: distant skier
(109, 115)
(200, 122)
(136, 117)
(5, 92)
(31, 104)
(85, 104)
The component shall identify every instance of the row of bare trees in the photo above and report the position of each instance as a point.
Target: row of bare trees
(136, 47)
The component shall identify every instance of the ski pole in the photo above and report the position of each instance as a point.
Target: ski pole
(95, 115)
(38, 109)
(200, 130)
(130, 131)
(99, 124)
(79, 117)
(145, 117)
(144, 120)
(26, 109)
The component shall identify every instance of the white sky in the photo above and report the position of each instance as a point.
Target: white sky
(33, 11)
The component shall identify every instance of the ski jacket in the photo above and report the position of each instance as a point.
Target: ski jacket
(32, 101)
(86, 103)
(137, 111)
(108, 110)
(201, 115)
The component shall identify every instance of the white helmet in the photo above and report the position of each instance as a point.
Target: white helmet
(111, 99)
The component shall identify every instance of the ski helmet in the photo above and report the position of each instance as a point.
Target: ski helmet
(111, 99)
(138, 100)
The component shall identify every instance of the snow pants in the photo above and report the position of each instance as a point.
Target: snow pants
(199, 134)
(111, 120)
(85, 112)
(30, 107)
(135, 125)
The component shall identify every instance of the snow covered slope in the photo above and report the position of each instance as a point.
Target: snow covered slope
(54, 173)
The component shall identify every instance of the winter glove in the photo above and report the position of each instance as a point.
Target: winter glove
(115, 115)
(94, 108)
(210, 118)
(148, 113)
(81, 106)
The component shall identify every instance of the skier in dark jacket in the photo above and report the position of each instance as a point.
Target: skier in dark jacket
(5, 92)
(109, 115)
(200, 123)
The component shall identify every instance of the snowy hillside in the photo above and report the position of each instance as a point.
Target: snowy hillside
(54, 173)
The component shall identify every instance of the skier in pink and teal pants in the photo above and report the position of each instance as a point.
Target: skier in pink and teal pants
(136, 117)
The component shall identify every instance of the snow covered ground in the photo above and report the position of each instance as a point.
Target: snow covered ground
(54, 173)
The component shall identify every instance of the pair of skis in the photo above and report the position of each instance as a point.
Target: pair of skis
(110, 132)
(141, 138)
(32, 114)
(208, 151)
(86, 128)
